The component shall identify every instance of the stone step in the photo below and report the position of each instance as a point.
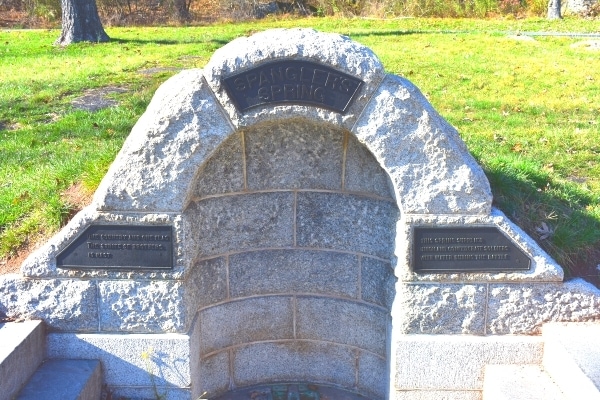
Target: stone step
(519, 382)
(572, 358)
(22, 347)
(63, 379)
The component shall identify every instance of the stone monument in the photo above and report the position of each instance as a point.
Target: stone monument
(287, 221)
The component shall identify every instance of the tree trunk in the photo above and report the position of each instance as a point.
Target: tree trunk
(80, 23)
(554, 9)
(182, 10)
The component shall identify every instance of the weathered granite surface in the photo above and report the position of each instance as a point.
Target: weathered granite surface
(64, 304)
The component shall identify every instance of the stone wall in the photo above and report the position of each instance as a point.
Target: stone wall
(295, 226)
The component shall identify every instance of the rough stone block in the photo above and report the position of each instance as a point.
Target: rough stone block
(523, 308)
(223, 172)
(298, 361)
(213, 376)
(429, 164)
(293, 271)
(141, 306)
(129, 359)
(156, 167)
(377, 282)
(341, 321)
(242, 222)
(245, 321)
(363, 173)
(456, 362)
(296, 154)
(373, 375)
(441, 308)
(22, 348)
(330, 49)
(346, 222)
(63, 304)
(208, 283)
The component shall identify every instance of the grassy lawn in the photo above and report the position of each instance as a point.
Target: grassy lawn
(529, 111)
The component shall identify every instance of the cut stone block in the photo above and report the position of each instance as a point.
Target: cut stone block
(242, 222)
(346, 222)
(572, 358)
(65, 380)
(22, 348)
(519, 382)
(377, 282)
(213, 375)
(441, 308)
(141, 307)
(223, 172)
(245, 321)
(293, 271)
(456, 362)
(341, 321)
(207, 282)
(130, 359)
(523, 308)
(63, 304)
(297, 361)
(373, 376)
(296, 154)
(363, 173)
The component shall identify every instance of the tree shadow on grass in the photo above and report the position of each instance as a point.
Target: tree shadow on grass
(218, 42)
(556, 213)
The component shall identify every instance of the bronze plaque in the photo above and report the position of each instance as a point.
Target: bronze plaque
(292, 82)
(466, 249)
(120, 247)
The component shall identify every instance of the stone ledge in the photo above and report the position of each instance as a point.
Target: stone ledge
(456, 362)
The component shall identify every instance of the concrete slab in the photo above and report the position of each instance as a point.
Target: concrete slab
(21, 352)
(62, 379)
(572, 358)
(519, 382)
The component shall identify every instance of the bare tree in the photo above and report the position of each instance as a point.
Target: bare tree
(80, 23)
(554, 9)
(182, 10)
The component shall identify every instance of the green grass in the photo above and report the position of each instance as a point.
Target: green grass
(529, 111)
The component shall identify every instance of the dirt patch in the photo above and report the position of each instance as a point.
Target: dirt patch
(588, 267)
(97, 99)
(77, 196)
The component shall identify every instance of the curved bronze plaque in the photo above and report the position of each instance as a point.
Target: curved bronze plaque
(466, 249)
(120, 247)
(292, 82)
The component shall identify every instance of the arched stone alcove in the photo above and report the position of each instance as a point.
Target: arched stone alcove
(294, 223)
